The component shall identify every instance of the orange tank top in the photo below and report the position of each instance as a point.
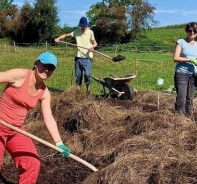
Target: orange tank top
(15, 102)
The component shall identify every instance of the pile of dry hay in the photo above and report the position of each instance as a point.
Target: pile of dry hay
(129, 142)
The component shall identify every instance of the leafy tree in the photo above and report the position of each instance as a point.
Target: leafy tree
(45, 20)
(140, 17)
(108, 22)
(25, 32)
(5, 4)
(8, 21)
(38, 23)
(121, 20)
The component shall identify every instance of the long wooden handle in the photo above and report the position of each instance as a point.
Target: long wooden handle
(48, 144)
(88, 49)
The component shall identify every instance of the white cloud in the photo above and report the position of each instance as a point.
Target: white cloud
(177, 11)
(79, 12)
(166, 11)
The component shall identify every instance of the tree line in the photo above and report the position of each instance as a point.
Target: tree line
(113, 21)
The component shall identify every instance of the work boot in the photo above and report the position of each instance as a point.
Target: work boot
(78, 87)
(87, 89)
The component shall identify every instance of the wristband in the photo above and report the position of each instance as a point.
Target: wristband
(59, 143)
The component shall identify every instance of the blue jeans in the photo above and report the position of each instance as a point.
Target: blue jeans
(83, 66)
(185, 88)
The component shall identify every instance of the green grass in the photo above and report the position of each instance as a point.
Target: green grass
(147, 63)
(166, 36)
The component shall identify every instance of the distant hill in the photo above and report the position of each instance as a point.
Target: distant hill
(166, 35)
(158, 38)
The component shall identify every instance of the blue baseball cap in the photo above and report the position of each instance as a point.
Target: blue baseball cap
(83, 22)
(48, 58)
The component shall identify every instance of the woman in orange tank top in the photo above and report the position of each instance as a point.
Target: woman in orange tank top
(24, 89)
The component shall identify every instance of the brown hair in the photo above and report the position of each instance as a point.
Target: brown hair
(35, 64)
(191, 24)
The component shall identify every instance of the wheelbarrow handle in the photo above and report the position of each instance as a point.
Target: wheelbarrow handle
(47, 144)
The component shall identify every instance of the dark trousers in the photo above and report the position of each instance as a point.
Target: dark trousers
(185, 88)
(83, 66)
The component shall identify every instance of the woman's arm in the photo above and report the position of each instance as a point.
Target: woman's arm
(14, 76)
(177, 57)
(48, 118)
(51, 123)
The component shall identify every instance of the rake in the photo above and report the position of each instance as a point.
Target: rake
(48, 144)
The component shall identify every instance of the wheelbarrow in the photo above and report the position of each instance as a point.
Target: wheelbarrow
(119, 87)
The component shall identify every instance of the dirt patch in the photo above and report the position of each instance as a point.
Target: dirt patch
(135, 142)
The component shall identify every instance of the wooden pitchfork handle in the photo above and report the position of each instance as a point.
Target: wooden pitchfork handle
(48, 144)
(87, 49)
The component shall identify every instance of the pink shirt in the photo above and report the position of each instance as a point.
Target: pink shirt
(16, 101)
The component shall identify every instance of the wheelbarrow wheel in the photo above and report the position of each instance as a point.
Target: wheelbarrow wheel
(128, 91)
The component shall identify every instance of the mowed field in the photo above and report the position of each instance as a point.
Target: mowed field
(149, 59)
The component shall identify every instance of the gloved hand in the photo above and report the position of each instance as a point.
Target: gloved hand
(194, 60)
(66, 151)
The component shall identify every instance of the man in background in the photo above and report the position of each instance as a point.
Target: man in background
(83, 57)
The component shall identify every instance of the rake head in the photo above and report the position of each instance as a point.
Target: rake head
(118, 58)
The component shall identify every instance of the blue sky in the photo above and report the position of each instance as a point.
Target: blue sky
(168, 12)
